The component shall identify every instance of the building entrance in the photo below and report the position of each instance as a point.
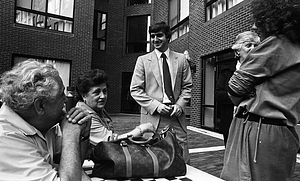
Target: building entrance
(217, 69)
(128, 104)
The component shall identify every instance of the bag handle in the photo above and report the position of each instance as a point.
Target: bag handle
(151, 140)
(143, 141)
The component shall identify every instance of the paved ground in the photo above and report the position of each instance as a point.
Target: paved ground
(206, 148)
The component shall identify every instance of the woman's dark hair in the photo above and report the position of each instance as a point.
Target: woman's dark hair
(278, 17)
(161, 26)
(90, 79)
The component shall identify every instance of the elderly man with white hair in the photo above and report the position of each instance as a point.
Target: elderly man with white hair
(39, 139)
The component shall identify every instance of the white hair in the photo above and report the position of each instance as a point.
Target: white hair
(247, 36)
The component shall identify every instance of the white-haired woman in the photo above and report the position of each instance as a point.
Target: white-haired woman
(262, 142)
(244, 43)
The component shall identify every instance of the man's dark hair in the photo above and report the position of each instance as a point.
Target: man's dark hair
(161, 26)
(278, 17)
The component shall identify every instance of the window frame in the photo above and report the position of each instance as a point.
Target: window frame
(182, 23)
(209, 78)
(176, 29)
(97, 40)
(66, 80)
(147, 41)
(46, 17)
(209, 3)
(130, 3)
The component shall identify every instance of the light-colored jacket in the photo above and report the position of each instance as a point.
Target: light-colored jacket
(146, 85)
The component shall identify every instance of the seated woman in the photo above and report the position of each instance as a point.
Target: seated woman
(92, 91)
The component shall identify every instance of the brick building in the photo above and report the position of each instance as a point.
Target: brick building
(48, 31)
(110, 34)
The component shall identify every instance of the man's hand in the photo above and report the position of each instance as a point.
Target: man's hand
(78, 115)
(177, 110)
(75, 126)
(164, 109)
(77, 121)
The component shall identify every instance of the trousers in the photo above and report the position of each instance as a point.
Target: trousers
(181, 135)
(259, 152)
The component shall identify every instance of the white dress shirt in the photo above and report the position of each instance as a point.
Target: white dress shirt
(167, 53)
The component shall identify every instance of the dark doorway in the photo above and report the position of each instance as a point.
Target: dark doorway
(128, 104)
(213, 65)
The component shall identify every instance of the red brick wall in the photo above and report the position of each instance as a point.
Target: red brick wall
(31, 41)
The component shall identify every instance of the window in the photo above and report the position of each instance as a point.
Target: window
(216, 7)
(138, 39)
(100, 22)
(50, 14)
(208, 92)
(137, 2)
(178, 17)
(63, 67)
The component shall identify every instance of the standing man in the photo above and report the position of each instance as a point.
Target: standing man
(39, 140)
(162, 84)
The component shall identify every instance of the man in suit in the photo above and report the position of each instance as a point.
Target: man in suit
(163, 101)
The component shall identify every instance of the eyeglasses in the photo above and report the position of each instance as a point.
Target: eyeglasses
(158, 35)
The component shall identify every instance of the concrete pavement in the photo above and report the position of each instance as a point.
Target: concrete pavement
(206, 147)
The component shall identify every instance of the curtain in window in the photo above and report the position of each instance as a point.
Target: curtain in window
(63, 67)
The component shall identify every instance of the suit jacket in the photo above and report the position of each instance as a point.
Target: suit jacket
(147, 88)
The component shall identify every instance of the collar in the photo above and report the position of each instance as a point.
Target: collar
(88, 108)
(158, 53)
(13, 118)
(92, 111)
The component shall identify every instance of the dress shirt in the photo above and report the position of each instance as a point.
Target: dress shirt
(167, 53)
(25, 153)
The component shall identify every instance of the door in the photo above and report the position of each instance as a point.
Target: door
(212, 67)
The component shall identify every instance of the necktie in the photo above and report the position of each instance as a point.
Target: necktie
(167, 78)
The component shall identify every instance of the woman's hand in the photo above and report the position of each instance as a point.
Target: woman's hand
(147, 127)
(137, 132)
